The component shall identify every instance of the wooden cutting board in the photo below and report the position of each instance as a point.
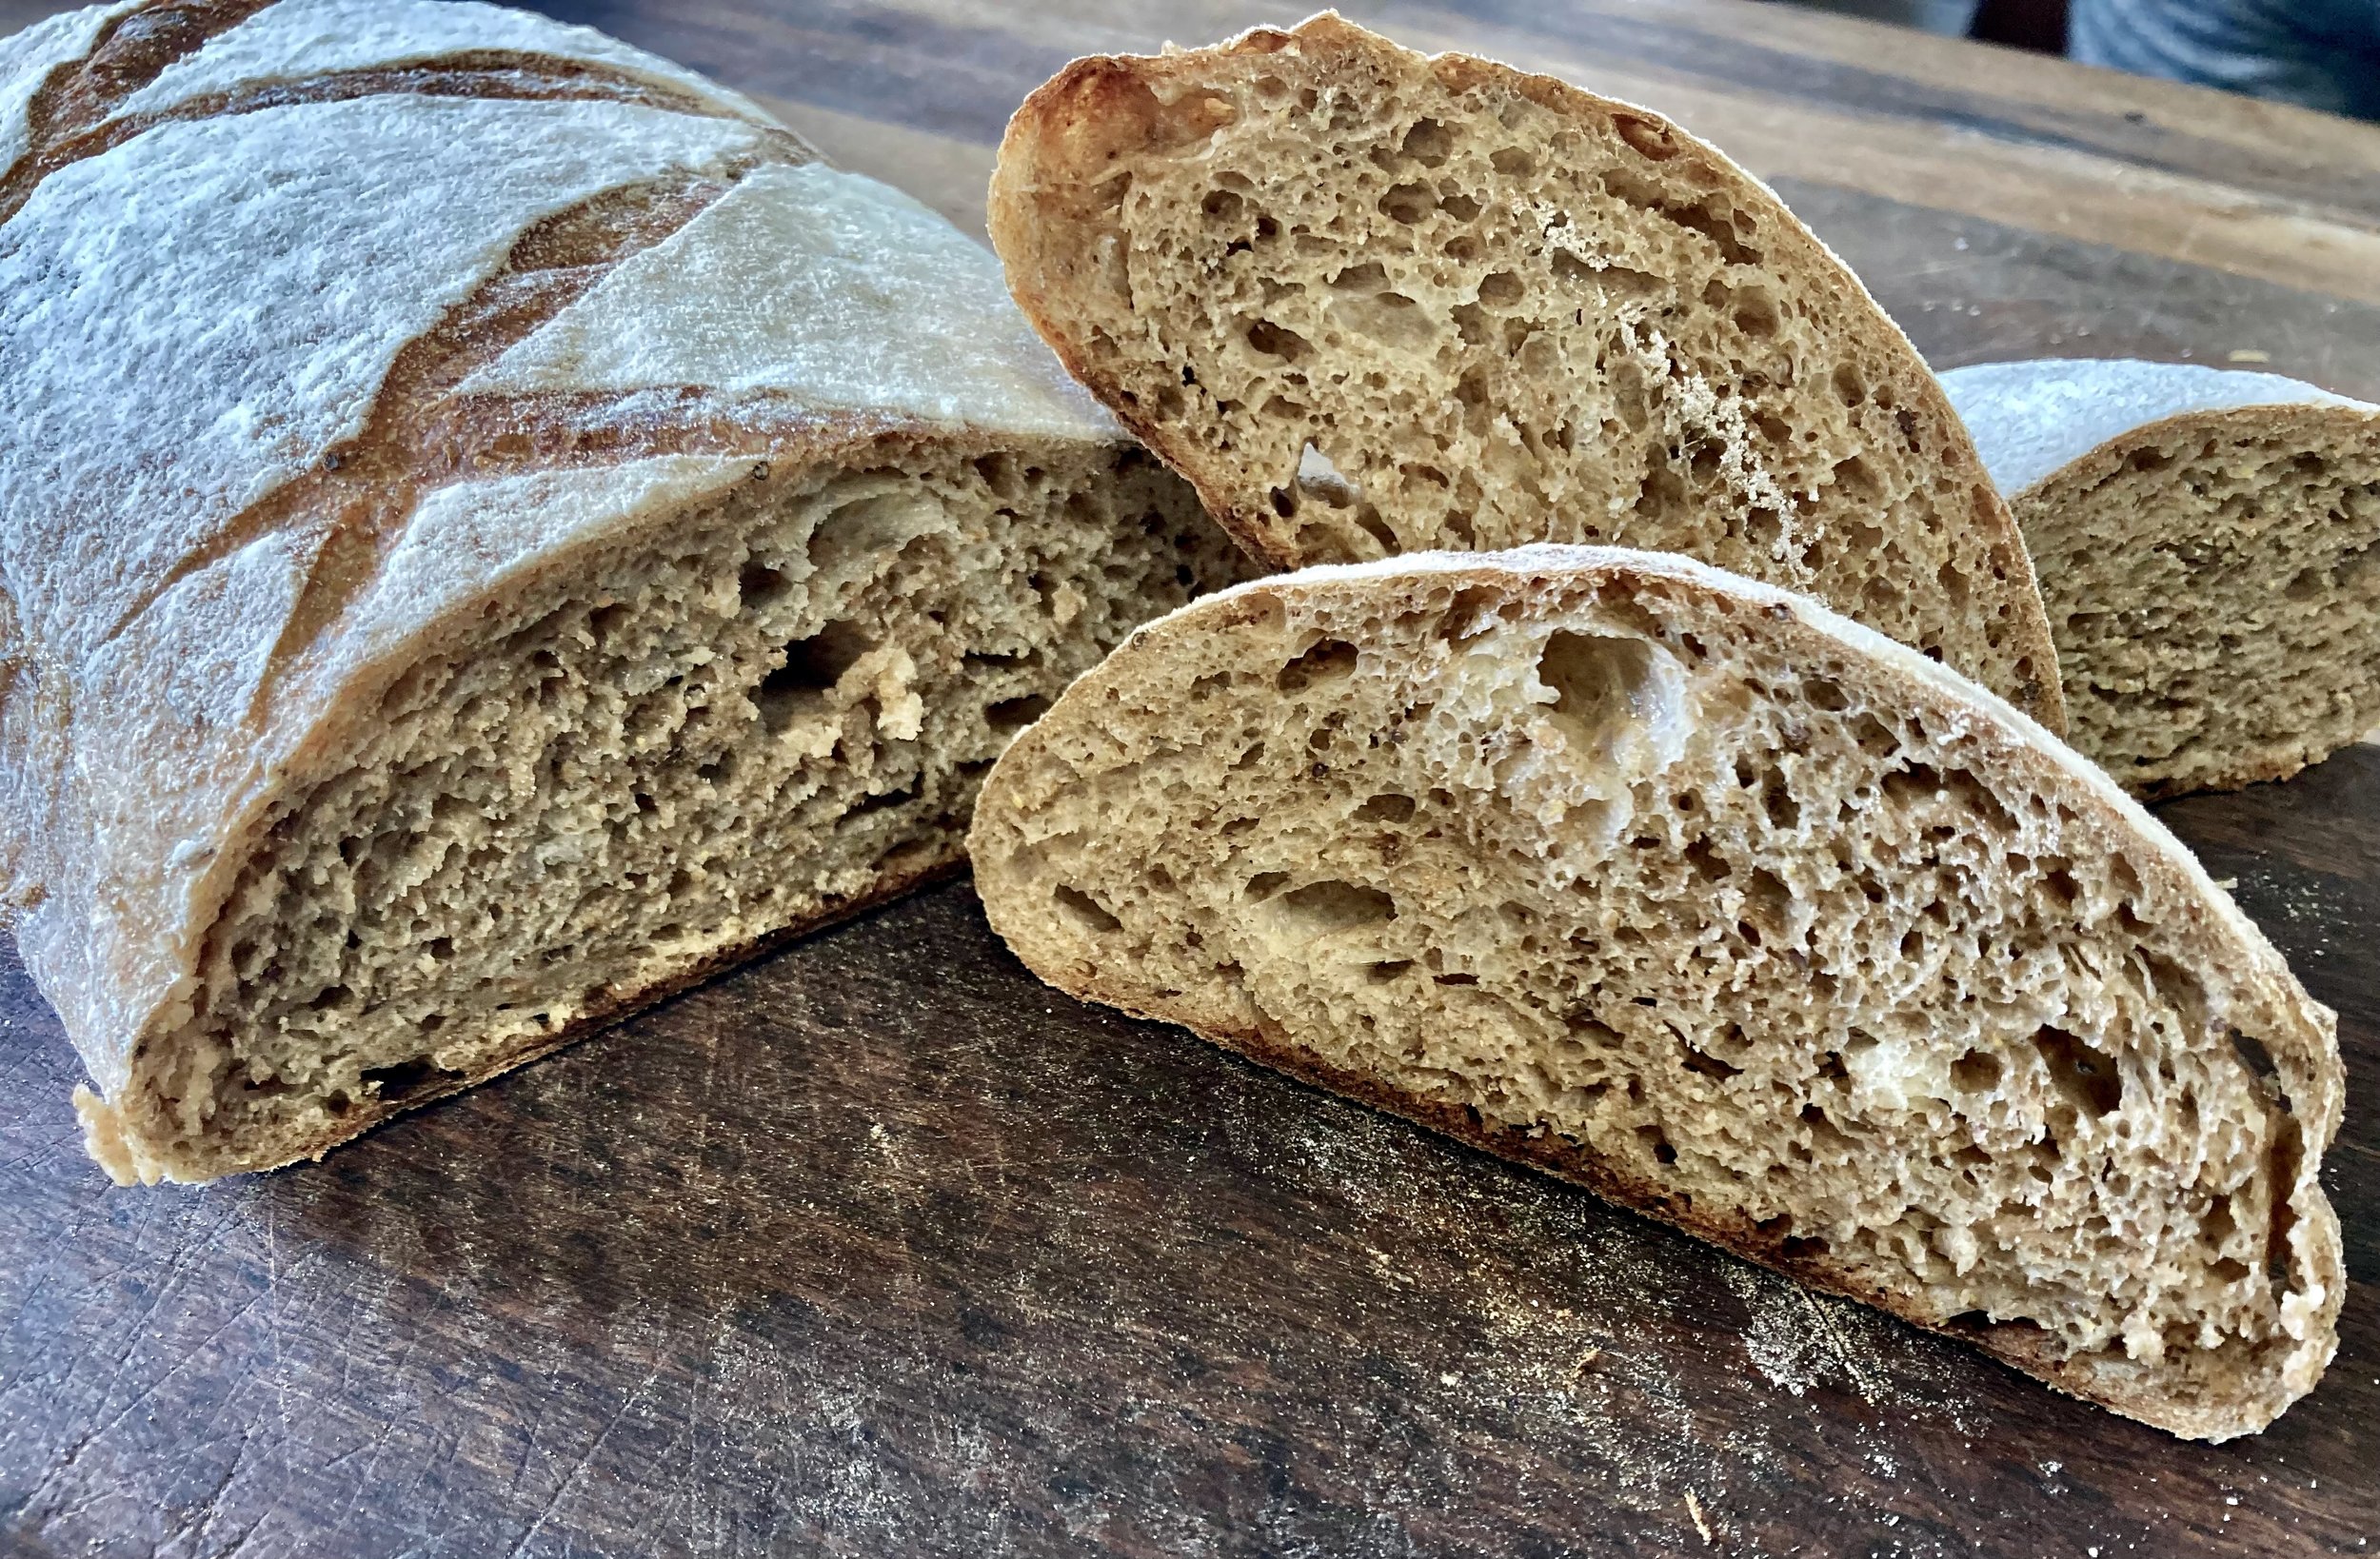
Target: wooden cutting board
(881, 1247)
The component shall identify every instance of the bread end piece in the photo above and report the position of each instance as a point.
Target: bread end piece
(2208, 548)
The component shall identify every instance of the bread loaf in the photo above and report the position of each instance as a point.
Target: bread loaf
(2208, 544)
(491, 529)
(1374, 303)
(1739, 913)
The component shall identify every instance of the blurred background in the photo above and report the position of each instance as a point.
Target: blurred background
(2317, 53)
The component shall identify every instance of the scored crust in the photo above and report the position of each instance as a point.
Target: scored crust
(477, 524)
(1126, 752)
(1328, 374)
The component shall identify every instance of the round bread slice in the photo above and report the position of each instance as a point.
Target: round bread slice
(2208, 543)
(1694, 892)
(1371, 302)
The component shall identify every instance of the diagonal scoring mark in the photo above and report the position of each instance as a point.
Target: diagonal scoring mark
(484, 73)
(130, 51)
(419, 434)
(363, 491)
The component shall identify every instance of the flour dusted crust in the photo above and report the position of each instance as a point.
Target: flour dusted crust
(2033, 417)
(312, 38)
(33, 54)
(357, 256)
(279, 550)
(2208, 544)
(1375, 301)
(819, 283)
(1690, 890)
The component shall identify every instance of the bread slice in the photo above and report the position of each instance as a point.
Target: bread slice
(1734, 911)
(2208, 544)
(490, 534)
(1371, 302)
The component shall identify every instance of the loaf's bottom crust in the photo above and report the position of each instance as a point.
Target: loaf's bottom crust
(104, 1139)
(1557, 1156)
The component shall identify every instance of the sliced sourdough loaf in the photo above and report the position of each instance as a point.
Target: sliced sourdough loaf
(1739, 913)
(1371, 301)
(2209, 545)
(488, 534)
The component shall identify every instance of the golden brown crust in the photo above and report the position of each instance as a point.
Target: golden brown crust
(1103, 109)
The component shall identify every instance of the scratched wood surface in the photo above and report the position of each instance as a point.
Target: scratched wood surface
(879, 1248)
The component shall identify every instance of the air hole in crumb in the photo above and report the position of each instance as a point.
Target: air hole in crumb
(1428, 143)
(1391, 319)
(1388, 969)
(1709, 1065)
(1333, 905)
(2085, 1076)
(1265, 884)
(1085, 912)
(811, 668)
(1408, 203)
(1273, 341)
(883, 800)
(2217, 1227)
(1016, 714)
(2255, 1057)
(760, 586)
(1455, 979)
(1601, 684)
(1501, 290)
(1386, 807)
(1975, 1072)
(1329, 660)
(1656, 1142)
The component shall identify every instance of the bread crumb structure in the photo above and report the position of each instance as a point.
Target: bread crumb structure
(492, 530)
(1374, 303)
(2208, 548)
(1730, 909)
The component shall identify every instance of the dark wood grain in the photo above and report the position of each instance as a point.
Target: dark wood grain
(881, 1247)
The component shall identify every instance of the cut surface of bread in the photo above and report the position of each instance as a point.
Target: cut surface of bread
(1697, 893)
(494, 530)
(1371, 301)
(763, 705)
(2208, 547)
